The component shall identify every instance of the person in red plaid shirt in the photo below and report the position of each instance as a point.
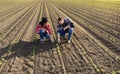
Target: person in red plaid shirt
(44, 30)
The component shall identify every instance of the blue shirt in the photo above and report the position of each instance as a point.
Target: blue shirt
(66, 23)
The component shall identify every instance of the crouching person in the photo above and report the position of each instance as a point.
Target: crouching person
(64, 26)
(44, 30)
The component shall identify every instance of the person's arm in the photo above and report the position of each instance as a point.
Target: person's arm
(69, 24)
(50, 32)
(49, 29)
(58, 35)
(37, 28)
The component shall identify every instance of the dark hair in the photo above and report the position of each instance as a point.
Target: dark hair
(44, 20)
(41, 23)
(59, 19)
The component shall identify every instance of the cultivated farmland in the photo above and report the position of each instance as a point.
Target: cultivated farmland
(95, 45)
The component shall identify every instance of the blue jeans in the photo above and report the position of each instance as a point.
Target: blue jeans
(43, 34)
(69, 31)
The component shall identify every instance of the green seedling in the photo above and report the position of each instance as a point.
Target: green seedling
(84, 52)
(34, 52)
(56, 44)
(98, 70)
(31, 72)
(10, 47)
(118, 72)
(116, 58)
(95, 66)
(1, 62)
(3, 59)
(31, 64)
(102, 70)
(113, 72)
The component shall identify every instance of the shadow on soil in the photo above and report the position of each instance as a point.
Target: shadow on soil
(25, 49)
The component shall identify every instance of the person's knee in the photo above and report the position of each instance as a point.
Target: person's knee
(70, 30)
(58, 31)
(47, 36)
(41, 31)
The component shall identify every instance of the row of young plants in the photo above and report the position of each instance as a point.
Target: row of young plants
(6, 16)
(108, 15)
(15, 24)
(16, 39)
(109, 38)
(95, 24)
(50, 13)
(84, 52)
(102, 20)
(64, 10)
(7, 23)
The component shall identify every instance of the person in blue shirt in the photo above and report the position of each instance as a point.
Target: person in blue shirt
(64, 26)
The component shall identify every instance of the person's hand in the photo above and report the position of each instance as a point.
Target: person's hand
(59, 40)
(66, 27)
(51, 39)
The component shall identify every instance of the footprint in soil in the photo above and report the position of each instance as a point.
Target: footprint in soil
(25, 49)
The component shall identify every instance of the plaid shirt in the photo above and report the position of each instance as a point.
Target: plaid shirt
(47, 28)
